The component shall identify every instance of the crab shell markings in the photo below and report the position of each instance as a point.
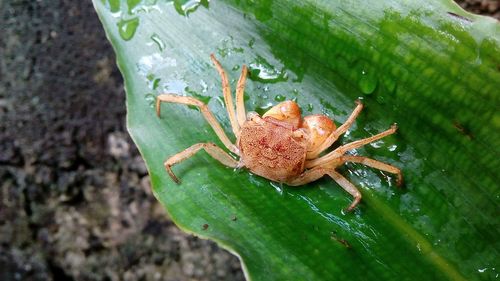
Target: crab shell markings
(272, 151)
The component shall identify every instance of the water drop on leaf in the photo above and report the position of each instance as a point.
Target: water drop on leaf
(279, 98)
(158, 41)
(127, 28)
(368, 82)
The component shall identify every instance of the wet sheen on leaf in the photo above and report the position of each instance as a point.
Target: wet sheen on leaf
(416, 63)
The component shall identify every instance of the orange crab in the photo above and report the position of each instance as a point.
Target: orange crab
(280, 145)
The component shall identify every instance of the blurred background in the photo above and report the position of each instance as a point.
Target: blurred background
(75, 199)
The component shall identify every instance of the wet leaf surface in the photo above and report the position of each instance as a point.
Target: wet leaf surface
(435, 74)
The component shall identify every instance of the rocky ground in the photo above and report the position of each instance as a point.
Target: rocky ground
(75, 201)
(484, 7)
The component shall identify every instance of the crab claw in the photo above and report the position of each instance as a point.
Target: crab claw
(287, 111)
(319, 127)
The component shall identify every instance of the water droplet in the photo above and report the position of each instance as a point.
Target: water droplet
(263, 71)
(236, 67)
(185, 7)
(277, 186)
(279, 98)
(150, 99)
(377, 144)
(204, 86)
(135, 6)
(368, 82)
(158, 41)
(114, 6)
(392, 147)
(310, 107)
(132, 4)
(127, 28)
(263, 109)
(481, 270)
(152, 81)
(251, 43)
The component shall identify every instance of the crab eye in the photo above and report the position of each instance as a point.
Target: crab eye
(319, 127)
(287, 111)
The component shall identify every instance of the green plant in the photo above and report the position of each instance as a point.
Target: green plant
(431, 67)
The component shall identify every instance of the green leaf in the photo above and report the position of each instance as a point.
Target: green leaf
(430, 67)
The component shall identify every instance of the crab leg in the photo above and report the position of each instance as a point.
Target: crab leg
(204, 110)
(212, 149)
(320, 171)
(337, 133)
(228, 99)
(339, 151)
(240, 103)
(375, 164)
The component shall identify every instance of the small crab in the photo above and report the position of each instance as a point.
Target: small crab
(280, 145)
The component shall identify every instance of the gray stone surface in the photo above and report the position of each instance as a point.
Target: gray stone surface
(75, 199)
